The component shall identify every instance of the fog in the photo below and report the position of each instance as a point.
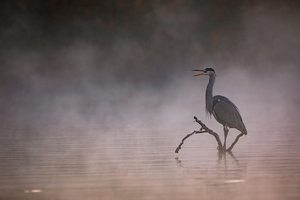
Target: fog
(134, 81)
(101, 93)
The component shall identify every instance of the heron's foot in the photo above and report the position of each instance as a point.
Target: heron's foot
(221, 149)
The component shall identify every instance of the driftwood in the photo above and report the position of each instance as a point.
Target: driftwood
(205, 129)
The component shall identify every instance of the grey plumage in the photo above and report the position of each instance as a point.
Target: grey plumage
(227, 114)
(224, 111)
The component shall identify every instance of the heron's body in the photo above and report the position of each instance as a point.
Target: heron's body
(224, 111)
(227, 114)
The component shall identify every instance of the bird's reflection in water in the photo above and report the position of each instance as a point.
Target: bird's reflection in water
(226, 170)
(223, 156)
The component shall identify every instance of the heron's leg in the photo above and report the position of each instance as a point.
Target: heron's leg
(225, 128)
(235, 141)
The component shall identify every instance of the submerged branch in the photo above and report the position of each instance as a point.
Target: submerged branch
(203, 129)
(188, 135)
(211, 132)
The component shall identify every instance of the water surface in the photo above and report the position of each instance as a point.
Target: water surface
(53, 162)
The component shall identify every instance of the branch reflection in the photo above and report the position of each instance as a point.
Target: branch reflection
(227, 169)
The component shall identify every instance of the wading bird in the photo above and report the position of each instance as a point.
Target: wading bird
(224, 111)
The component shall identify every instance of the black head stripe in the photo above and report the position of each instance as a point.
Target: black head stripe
(209, 69)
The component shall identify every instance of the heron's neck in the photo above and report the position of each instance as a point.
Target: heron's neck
(209, 94)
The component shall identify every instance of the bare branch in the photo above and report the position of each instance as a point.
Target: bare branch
(203, 129)
(183, 139)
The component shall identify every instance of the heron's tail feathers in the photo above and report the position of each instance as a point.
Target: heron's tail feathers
(244, 130)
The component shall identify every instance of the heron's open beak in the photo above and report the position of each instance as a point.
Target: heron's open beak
(202, 72)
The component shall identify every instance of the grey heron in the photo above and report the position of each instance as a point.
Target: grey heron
(224, 111)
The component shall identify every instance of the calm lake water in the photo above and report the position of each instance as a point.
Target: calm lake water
(52, 162)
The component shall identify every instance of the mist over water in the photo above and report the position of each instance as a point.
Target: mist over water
(90, 105)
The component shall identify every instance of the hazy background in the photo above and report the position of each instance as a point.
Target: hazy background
(127, 64)
(96, 95)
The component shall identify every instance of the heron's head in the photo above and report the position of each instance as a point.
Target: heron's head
(207, 71)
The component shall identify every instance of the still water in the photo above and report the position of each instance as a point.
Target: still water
(50, 162)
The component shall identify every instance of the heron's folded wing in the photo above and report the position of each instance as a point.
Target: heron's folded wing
(227, 113)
